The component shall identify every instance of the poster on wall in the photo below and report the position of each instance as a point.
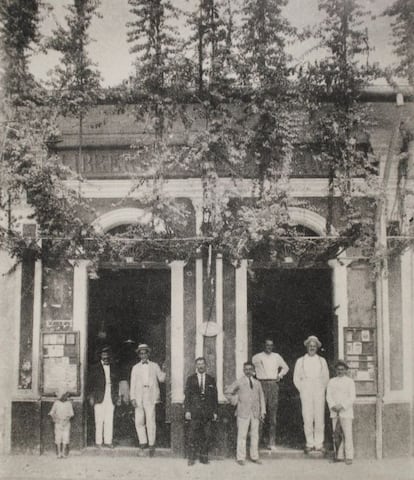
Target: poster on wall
(360, 355)
(60, 363)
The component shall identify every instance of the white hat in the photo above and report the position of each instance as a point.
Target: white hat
(143, 346)
(312, 338)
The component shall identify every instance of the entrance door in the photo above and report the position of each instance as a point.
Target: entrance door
(288, 305)
(128, 307)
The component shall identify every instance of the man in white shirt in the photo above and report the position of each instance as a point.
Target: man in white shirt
(270, 369)
(311, 375)
(145, 394)
(340, 395)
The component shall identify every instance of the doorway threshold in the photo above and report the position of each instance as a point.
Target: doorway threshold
(121, 451)
(282, 452)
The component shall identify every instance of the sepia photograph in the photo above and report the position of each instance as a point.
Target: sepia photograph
(206, 239)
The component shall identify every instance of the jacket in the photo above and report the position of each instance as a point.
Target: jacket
(201, 406)
(96, 383)
(249, 401)
(137, 386)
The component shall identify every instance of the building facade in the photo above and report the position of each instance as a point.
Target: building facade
(54, 319)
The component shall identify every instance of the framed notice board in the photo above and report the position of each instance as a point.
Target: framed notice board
(361, 357)
(60, 363)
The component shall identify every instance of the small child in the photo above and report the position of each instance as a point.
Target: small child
(61, 413)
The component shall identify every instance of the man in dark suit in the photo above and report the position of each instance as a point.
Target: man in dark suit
(103, 396)
(201, 406)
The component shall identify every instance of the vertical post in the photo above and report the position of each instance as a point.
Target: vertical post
(37, 312)
(241, 317)
(219, 320)
(177, 331)
(340, 298)
(80, 313)
(199, 306)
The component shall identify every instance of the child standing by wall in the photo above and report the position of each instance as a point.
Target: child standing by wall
(61, 413)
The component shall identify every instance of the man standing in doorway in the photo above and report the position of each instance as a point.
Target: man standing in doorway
(247, 394)
(144, 395)
(311, 376)
(201, 407)
(270, 369)
(103, 396)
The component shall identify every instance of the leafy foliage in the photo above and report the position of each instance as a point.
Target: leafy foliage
(402, 11)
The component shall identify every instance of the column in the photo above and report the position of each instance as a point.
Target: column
(340, 297)
(177, 331)
(219, 320)
(407, 315)
(80, 312)
(37, 312)
(199, 306)
(241, 317)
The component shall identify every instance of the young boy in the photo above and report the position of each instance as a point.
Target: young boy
(61, 413)
(340, 396)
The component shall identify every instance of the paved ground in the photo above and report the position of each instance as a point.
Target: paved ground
(90, 467)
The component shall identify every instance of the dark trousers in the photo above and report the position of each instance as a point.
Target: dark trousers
(199, 437)
(271, 394)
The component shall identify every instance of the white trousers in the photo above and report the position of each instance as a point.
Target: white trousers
(243, 425)
(312, 396)
(348, 448)
(104, 421)
(145, 423)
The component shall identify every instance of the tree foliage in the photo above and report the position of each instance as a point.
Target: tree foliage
(402, 12)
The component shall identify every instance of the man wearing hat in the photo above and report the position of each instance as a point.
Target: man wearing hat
(311, 376)
(145, 394)
(340, 395)
(103, 396)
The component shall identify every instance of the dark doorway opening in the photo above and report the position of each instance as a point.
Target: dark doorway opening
(288, 305)
(130, 305)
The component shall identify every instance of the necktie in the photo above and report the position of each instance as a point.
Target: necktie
(202, 384)
(145, 362)
(251, 383)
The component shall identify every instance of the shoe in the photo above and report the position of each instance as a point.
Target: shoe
(348, 461)
(320, 450)
(109, 445)
(98, 445)
(268, 447)
(190, 462)
(307, 450)
(241, 462)
(143, 446)
(204, 459)
(151, 451)
(257, 462)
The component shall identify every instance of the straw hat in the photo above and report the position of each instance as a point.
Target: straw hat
(312, 338)
(143, 346)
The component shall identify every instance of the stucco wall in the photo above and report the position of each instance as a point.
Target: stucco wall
(9, 286)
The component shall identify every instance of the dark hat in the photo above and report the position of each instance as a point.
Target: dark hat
(341, 363)
(105, 349)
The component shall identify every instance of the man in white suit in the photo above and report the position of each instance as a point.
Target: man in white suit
(144, 395)
(311, 376)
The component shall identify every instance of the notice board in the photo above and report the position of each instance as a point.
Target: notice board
(361, 357)
(60, 363)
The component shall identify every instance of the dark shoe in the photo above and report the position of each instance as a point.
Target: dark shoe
(268, 447)
(348, 461)
(109, 445)
(240, 462)
(151, 451)
(307, 450)
(190, 462)
(143, 446)
(205, 461)
(257, 462)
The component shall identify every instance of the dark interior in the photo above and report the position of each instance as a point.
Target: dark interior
(129, 304)
(288, 305)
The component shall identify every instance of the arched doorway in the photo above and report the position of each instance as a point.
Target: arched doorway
(129, 303)
(287, 304)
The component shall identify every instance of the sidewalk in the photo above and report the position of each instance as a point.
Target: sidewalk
(85, 467)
